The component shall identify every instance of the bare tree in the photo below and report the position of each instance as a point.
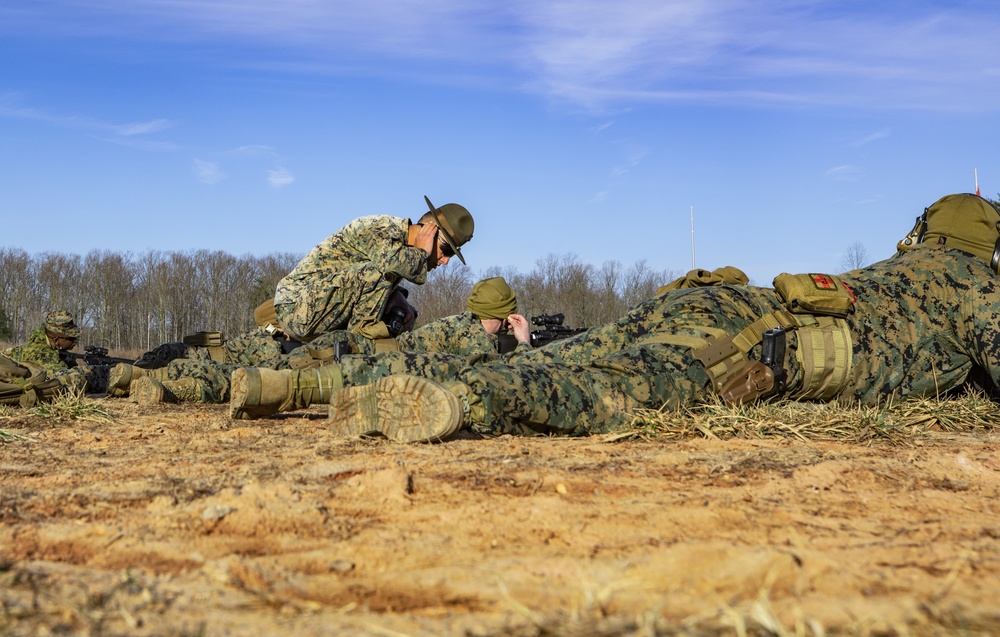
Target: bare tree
(131, 302)
(855, 257)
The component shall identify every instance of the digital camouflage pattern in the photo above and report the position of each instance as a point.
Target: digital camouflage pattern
(345, 281)
(461, 334)
(456, 337)
(255, 348)
(923, 321)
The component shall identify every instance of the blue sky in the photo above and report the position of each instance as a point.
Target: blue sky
(793, 128)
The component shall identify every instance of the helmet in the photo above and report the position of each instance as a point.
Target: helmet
(967, 222)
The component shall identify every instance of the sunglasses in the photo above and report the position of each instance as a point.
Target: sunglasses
(445, 248)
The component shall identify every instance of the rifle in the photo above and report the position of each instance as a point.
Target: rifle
(94, 355)
(552, 329)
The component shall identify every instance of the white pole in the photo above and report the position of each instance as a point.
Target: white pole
(692, 237)
(976, 172)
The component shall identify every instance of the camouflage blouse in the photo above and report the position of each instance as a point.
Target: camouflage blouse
(38, 350)
(344, 282)
(922, 321)
(461, 334)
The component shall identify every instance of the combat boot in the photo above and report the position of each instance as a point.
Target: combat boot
(402, 408)
(122, 375)
(150, 391)
(256, 392)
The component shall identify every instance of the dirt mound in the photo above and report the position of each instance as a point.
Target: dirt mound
(179, 521)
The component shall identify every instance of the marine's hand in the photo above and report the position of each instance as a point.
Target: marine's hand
(520, 327)
(426, 237)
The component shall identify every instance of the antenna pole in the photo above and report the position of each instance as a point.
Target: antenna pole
(692, 237)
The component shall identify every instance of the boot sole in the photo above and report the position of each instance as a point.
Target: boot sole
(402, 408)
(148, 391)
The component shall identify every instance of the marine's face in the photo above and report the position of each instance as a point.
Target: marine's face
(495, 326)
(64, 343)
(441, 254)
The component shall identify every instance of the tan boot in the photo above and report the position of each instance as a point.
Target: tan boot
(150, 391)
(256, 392)
(122, 375)
(402, 408)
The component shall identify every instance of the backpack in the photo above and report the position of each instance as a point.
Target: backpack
(26, 384)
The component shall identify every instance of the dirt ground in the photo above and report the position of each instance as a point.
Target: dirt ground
(176, 520)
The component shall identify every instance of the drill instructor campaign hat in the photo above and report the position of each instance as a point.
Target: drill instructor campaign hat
(455, 223)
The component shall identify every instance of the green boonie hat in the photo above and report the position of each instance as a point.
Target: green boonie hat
(966, 222)
(455, 223)
(492, 299)
(61, 323)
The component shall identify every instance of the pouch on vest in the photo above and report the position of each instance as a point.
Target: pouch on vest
(203, 339)
(825, 355)
(822, 294)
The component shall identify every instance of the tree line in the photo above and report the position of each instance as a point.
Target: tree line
(131, 301)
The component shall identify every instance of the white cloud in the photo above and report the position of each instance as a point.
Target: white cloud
(843, 173)
(592, 52)
(864, 141)
(122, 134)
(280, 177)
(207, 172)
(142, 128)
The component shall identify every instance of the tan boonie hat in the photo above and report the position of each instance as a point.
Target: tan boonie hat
(60, 323)
(492, 299)
(455, 223)
(966, 222)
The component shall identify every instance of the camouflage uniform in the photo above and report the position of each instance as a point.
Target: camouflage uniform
(345, 281)
(39, 351)
(921, 322)
(455, 337)
(255, 348)
(437, 350)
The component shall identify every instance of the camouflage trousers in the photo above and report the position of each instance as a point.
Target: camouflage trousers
(214, 376)
(341, 300)
(357, 370)
(93, 378)
(594, 382)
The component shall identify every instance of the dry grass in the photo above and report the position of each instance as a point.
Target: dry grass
(72, 405)
(893, 422)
